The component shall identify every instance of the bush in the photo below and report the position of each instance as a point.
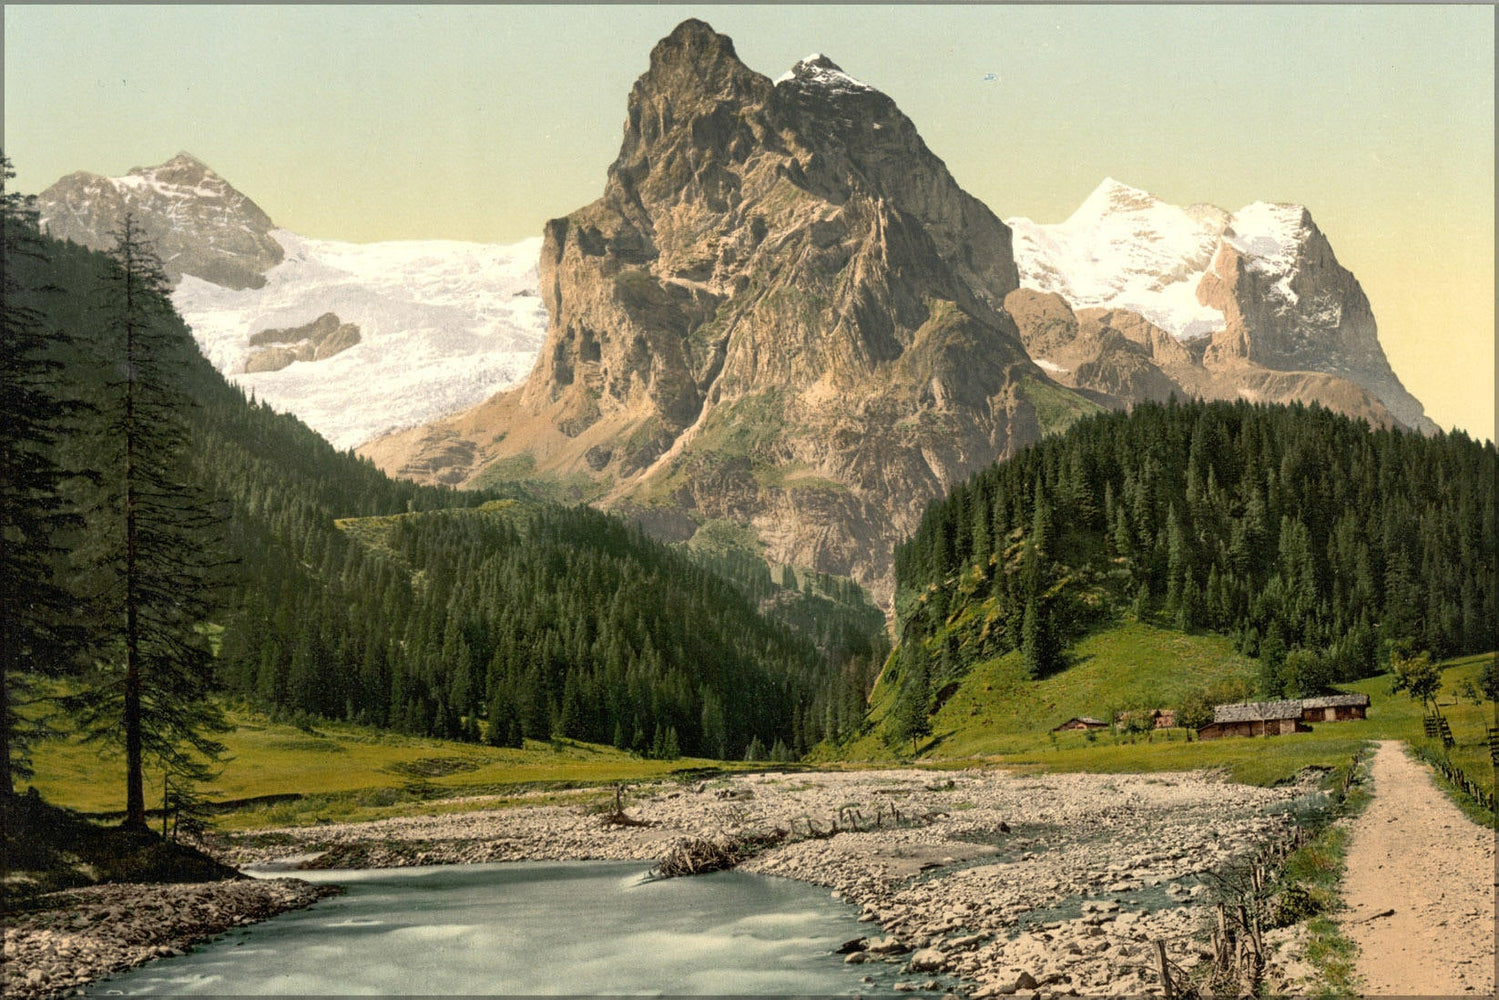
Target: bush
(1292, 905)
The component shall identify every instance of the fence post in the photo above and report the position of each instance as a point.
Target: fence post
(1160, 961)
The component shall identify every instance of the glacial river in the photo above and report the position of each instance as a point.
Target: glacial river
(528, 929)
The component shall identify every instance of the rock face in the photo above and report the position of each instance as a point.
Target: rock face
(322, 338)
(199, 223)
(1256, 301)
(782, 311)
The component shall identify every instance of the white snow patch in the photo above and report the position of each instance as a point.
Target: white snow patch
(1270, 237)
(1124, 248)
(818, 69)
(1050, 366)
(443, 325)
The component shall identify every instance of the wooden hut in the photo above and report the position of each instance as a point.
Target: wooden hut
(1081, 722)
(1334, 707)
(1256, 718)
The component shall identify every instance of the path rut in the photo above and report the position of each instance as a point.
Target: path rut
(1415, 853)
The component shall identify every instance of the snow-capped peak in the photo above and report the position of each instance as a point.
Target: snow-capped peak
(817, 69)
(1126, 248)
(1271, 232)
(1110, 198)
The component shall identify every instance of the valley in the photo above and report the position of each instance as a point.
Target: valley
(847, 588)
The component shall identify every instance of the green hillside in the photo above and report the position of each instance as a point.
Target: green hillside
(997, 716)
(997, 708)
(340, 594)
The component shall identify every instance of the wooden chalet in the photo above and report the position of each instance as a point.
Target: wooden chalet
(1256, 718)
(1081, 722)
(1334, 707)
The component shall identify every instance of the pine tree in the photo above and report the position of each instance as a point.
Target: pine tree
(910, 720)
(37, 633)
(152, 535)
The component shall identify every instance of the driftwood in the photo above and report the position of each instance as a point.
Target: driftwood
(701, 855)
(618, 817)
(696, 856)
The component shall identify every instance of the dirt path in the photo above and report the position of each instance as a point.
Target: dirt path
(1414, 852)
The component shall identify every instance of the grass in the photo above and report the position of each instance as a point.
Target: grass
(1056, 408)
(997, 717)
(346, 772)
(1317, 868)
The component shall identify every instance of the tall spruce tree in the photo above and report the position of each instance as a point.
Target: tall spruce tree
(38, 633)
(152, 539)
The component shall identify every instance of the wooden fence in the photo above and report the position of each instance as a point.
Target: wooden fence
(1457, 777)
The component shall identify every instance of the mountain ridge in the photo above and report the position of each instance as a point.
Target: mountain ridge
(444, 323)
(782, 311)
(1282, 318)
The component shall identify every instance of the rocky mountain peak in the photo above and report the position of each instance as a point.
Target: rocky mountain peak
(782, 312)
(694, 64)
(1258, 295)
(200, 224)
(184, 165)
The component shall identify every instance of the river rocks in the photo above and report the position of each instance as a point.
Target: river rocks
(67, 939)
(1065, 844)
(927, 960)
(891, 945)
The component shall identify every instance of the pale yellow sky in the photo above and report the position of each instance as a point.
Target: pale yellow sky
(480, 122)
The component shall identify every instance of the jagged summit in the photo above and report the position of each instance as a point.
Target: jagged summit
(817, 70)
(200, 224)
(1258, 287)
(1112, 197)
(782, 312)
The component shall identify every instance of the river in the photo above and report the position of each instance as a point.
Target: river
(530, 929)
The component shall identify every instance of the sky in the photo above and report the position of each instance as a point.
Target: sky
(480, 122)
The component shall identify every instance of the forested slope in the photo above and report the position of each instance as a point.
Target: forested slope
(1314, 541)
(561, 621)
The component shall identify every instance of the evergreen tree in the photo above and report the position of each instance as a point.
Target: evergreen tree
(37, 630)
(909, 719)
(152, 533)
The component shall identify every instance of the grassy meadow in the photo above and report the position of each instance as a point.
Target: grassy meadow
(997, 717)
(345, 772)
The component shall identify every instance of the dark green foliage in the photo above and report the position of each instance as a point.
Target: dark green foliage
(150, 537)
(539, 620)
(1291, 528)
(909, 720)
(38, 633)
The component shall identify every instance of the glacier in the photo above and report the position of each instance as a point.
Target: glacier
(444, 324)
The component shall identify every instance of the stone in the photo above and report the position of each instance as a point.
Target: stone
(927, 960)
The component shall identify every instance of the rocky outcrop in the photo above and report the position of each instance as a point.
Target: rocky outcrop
(199, 224)
(783, 311)
(1257, 301)
(322, 338)
(1118, 358)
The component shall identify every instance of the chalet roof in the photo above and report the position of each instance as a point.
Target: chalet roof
(1257, 711)
(1336, 701)
(1086, 720)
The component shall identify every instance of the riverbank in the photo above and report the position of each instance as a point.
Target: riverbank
(65, 940)
(987, 881)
